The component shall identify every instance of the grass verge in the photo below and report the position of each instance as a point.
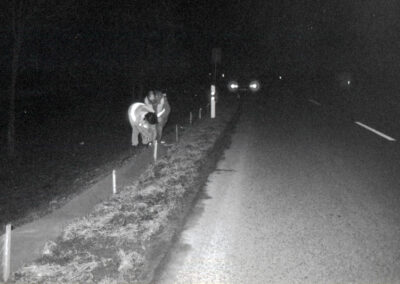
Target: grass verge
(124, 238)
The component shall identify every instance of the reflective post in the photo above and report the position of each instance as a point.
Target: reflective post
(114, 182)
(213, 101)
(6, 253)
(155, 150)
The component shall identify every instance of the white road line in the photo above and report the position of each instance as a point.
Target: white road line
(314, 102)
(375, 131)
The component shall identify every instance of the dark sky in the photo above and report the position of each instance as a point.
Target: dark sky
(306, 35)
(300, 37)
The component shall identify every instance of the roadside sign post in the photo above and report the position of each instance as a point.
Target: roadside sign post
(216, 59)
(216, 56)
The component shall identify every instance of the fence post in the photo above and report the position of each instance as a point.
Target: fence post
(114, 182)
(6, 253)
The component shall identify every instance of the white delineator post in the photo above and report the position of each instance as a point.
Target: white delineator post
(155, 150)
(191, 118)
(177, 133)
(114, 182)
(200, 113)
(212, 101)
(6, 253)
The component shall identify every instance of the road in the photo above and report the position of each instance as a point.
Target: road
(303, 195)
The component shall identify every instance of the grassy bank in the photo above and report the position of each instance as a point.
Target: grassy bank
(124, 238)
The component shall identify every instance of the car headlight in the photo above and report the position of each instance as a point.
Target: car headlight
(254, 86)
(233, 86)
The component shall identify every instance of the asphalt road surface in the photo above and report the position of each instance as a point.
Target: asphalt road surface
(303, 195)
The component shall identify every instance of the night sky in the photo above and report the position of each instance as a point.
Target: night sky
(86, 40)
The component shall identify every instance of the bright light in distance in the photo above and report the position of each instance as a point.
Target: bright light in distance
(254, 86)
(233, 86)
(348, 82)
(280, 77)
(223, 75)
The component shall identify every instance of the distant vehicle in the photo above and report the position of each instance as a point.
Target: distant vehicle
(252, 86)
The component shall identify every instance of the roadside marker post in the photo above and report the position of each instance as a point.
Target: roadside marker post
(191, 118)
(155, 150)
(213, 91)
(200, 113)
(6, 253)
(177, 133)
(114, 182)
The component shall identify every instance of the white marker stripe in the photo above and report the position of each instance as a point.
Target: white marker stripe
(375, 131)
(314, 102)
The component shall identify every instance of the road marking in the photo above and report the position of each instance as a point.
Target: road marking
(375, 131)
(314, 102)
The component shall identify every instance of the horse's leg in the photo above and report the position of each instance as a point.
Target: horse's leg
(159, 132)
(135, 134)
